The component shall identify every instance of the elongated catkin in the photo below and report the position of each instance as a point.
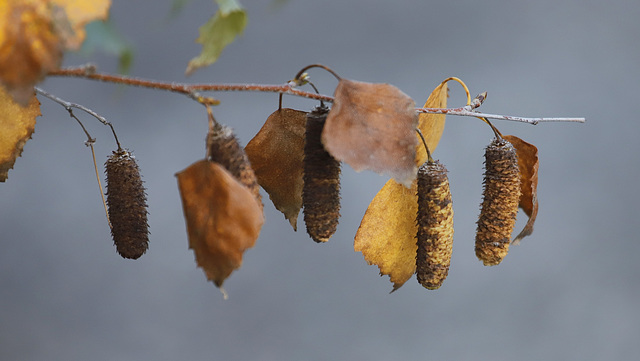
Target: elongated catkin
(321, 189)
(225, 150)
(499, 207)
(435, 225)
(127, 204)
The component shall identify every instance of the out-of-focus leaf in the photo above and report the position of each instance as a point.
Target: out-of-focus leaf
(34, 34)
(220, 31)
(276, 154)
(79, 13)
(29, 46)
(223, 218)
(103, 36)
(17, 123)
(372, 126)
(528, 165)
(387, 234)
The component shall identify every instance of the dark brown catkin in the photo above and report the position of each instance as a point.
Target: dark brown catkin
(225, 150)
(321, 189)
(127, 204)
(435, 225)
(499, 207)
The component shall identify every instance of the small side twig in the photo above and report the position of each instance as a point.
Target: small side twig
(90, 140)
(68, 106)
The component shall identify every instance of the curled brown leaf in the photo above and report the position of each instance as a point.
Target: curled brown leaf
(276, 154)
(223, 218)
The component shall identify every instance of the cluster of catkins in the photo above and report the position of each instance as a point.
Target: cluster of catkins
(126, 196)
(499, 208)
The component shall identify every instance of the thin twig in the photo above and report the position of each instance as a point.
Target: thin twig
(467, 113)
(68, 106)
(90, 140)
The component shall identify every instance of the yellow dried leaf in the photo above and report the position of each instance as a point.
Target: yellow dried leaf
(29, 46)
(79, 13)
(386, 236)
(34, 34)
(432, 125)
(17, 123)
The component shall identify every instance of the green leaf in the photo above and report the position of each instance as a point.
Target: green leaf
(220, 31)
(102, 36)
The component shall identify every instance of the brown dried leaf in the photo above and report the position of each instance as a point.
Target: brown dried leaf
(17, 123)
(528, 164)
(223, 218)
(386, 236)
(372, 126)
(276, 156)
(29, 46)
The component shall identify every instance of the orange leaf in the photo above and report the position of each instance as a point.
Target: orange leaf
(223, 218)
(29, 46)
(387, 234)
(17, 123)
(276, 154)
(528, 165)
(372, 126)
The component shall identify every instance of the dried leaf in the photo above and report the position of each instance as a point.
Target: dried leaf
(17, 123)
(372, 126)
(386, 236)
(79, 13)
(220, 31)
(34, 34)
(276, 154)
(223, 218)
(432, 125)
(528, 165)
(29, 46)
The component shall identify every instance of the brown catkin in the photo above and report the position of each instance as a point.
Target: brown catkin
(499, 207)
(127, 204)
(225, 150)
(435, 225)
(321, 189)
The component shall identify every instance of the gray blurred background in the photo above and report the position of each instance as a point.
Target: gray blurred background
(568, 292)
